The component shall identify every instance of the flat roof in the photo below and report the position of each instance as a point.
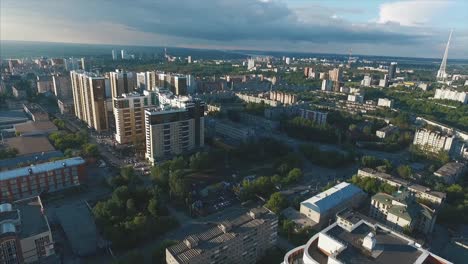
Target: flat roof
(27, 216)
(12, 117)
(79, 227)
(330, 198)
(29, 144)
(29, 159)
(39, 168)
(394, 249)
(450, 169)
(214, 236)
(35, 127)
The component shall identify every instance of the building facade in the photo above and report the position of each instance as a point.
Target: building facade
(402, 211)
(89, 98)
(177, 126)
(122, 82)
(447, 94)
(129, 114)
(25, 235)
(317, 117)
(33, 180)
(62, 87)
(242, 240)
(433, 141)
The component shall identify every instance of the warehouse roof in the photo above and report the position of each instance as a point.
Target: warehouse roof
(330, 198)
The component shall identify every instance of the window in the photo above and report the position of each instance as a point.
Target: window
(41, 244)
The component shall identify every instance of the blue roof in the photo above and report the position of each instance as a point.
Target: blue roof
(39, 168)
(332, 197)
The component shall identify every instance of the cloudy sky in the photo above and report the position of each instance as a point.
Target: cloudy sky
(417, 28)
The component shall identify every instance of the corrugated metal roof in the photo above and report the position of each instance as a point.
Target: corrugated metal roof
(328, 199)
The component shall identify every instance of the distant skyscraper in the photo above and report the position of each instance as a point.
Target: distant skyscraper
(122, 82)
(123, 54)
(250, 64)
(83, 66)
(336, 75)
(114, 55)
(441, 74)
(392, 70)
(288, 60)
(189, 59)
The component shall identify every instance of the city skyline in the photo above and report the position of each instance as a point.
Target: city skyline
(393, 28)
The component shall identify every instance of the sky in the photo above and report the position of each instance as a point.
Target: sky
(414, 28)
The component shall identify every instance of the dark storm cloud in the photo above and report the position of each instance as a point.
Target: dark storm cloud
(224, 20)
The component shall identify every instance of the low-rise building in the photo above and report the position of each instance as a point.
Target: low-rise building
(35, 128)
(41, 178)
(354, 238)
(317, 117)
(385, 102)
(401, 211)
(451, 171)
(356, 98)
(233, 131)
(419, 191)
(36, 112)
(25, 235)
(26, 145)
(386, 131)
(244, 239)
(323, 206)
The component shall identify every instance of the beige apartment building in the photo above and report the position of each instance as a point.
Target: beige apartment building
(433, 141)
(174, 129)
(89, 99)
(129, 114)
(242, 240)
(122, 82)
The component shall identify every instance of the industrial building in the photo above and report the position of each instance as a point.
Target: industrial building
(242, 240)
(323, 206)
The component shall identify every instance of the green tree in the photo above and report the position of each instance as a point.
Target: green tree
(91, 150)
(277, 202)
(405, 171)
(153, 207)
(294, 175)
(177, 184)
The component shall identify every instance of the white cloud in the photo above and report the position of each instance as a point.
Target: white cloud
(411, 13)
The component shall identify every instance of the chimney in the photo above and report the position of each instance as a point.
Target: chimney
(369, 242)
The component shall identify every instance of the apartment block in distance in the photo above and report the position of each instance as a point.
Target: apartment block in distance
(242, 240)
(355, 238)
(176, 126)
(25, 235)
(129, 113)
(433, 141)
(319, 118)
(89, 97)
(33, 180)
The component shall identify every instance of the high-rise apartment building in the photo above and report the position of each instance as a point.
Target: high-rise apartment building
(25, 235)
(176, 83)
(319, 118)
(142, 81)
(336, 75)
(244, 239)
(122, 82)
(250, 64)
(62, 87)
(114, 55)
(392, 70)
(129, 114)
(89, 98)
(367, 81)
(175, 127)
